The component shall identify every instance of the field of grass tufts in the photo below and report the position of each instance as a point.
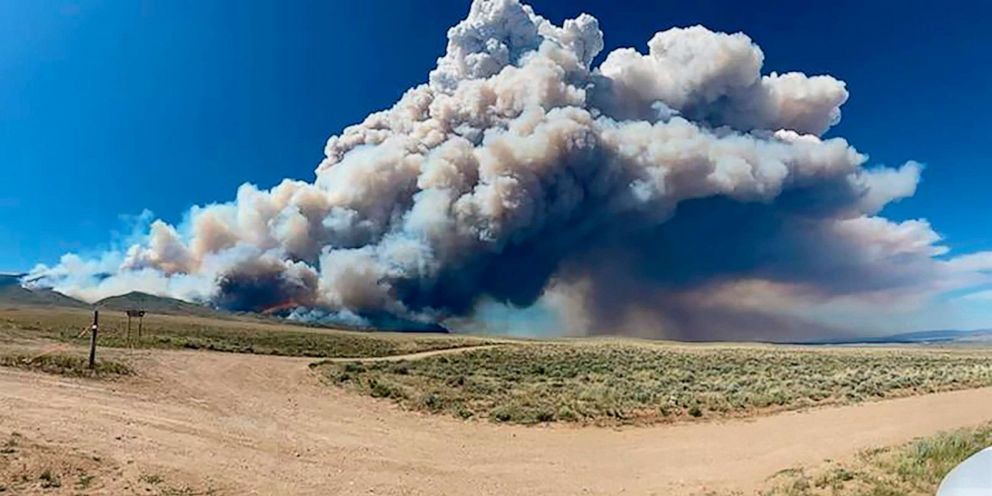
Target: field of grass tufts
(64, 364)
(620, 383)
(226, 335)
(913, 469)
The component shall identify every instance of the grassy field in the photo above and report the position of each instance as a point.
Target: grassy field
(914, 469)
(228, 335)
(64, 364)
(617, 383)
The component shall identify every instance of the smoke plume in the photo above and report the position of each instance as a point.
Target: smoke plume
(674, 191)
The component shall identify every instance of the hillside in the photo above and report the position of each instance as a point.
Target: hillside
(136, 300)
(10, 280)
(13, 294)
(922, 337)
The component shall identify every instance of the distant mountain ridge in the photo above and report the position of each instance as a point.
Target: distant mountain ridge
(13, 294)
(137, 300)
(10, 279)
(944, 336)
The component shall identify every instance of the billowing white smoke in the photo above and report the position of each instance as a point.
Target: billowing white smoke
(679, 191)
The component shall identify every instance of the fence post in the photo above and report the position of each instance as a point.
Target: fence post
(96, 325)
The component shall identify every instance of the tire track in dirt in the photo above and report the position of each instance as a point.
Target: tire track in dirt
(418, 355)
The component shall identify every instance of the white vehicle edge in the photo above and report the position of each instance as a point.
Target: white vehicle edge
(973, 477)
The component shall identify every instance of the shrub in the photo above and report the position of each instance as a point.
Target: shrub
(621, 383)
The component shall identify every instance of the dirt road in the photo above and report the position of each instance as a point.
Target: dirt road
(265, 425)
(414, 356)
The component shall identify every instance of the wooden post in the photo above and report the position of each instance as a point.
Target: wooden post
(96, 325)
(129, 328)
(141, 319)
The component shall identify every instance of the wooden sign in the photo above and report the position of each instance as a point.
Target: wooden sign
(140, 314)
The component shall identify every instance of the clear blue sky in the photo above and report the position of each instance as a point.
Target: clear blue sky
(111, 107)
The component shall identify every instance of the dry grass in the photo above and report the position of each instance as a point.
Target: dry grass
(64, 364)
(227, 335)
(913, 469)
(619, 383)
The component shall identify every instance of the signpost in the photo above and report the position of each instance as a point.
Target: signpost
(140, 314)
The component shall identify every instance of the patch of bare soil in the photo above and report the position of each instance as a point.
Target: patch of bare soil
(28, 467)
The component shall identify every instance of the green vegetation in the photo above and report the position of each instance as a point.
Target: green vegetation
(156, 484)
(229, 335)
(914, 469)
(49, 479)
(65, 364)
(619, 383)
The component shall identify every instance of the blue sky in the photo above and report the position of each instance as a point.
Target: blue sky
(108, 108)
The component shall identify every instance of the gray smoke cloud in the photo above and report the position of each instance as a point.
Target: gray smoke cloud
(676, 192)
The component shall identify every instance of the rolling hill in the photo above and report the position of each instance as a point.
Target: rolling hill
(13, 294)
(137, 300)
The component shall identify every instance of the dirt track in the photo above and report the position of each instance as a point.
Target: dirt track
(265, 425)
(413, 356)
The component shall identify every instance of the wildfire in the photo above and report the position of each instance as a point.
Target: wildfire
(279, 307)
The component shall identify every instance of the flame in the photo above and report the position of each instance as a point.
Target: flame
(278, 307)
